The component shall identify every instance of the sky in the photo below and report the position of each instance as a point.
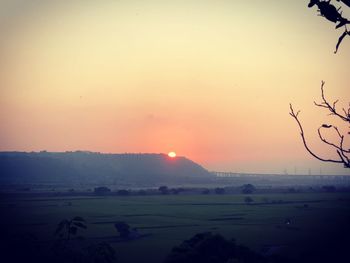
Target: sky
(210, 80)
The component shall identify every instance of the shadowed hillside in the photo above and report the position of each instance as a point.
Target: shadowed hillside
(90, 167)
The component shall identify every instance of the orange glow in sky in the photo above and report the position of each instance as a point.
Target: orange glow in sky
(211, 79)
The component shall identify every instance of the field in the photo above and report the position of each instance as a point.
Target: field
(164, 221)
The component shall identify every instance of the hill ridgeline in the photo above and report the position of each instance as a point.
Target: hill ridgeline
(97, 168)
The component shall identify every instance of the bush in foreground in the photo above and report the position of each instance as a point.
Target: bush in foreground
(212, 248)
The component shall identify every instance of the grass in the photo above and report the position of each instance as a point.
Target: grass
(167, 220)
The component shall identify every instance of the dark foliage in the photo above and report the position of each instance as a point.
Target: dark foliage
(211, 248)
(78, 250)
(248, 188)
(334, 15)
(97, 169)
(68, 228)
(123, 229)
(29, 248)
(101, 253)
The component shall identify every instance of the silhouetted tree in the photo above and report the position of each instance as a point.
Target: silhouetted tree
(101, 253)
(334, 15)
(123, 229)
(342, 152)
(66, 228)
(248, 188)
(211, 248)
(78, 250)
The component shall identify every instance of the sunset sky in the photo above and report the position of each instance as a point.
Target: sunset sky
(210, 80)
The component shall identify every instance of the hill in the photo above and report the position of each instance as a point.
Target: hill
(96, 168)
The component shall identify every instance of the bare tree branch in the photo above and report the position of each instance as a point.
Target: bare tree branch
(346, 32)
(332, 109)
(339, 148)
(295, 116)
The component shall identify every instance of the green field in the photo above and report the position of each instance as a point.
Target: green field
(167, 220)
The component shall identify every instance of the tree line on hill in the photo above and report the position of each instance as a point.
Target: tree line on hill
(96, 168)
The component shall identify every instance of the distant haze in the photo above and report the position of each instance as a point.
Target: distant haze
(210, 80)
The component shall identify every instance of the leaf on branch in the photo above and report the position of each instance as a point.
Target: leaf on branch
(339, 41)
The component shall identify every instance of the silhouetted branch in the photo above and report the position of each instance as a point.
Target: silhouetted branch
(346, 32)
(341, 137)
(295, 116)
(334, 15)
(340, 150)
(331, 108)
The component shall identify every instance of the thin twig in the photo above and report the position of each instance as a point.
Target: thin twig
(295, 116)
(330, 143)
(342, 153)
(332, 109)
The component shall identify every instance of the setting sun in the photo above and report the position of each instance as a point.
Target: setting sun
(172, 154)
